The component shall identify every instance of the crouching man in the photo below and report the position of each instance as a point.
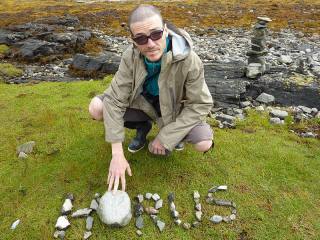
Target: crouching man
(160, 79)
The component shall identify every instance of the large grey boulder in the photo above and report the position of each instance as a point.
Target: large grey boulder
(115, 209)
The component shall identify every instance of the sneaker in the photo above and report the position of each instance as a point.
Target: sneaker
(139, 141)
(179, 146)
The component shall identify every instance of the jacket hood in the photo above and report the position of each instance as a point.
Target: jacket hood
(181, 44)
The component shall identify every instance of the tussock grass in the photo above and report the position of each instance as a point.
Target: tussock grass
(7, 70)
(272, 175)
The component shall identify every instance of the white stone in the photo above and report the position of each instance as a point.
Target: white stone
(223, 188)
(81, 213)
(66, 207)
(196, 195)
(62, 223)
(15, 224)
(59, 234)
(22, 155)
(172, 207)
(87, 235)
(260, 108)
(285, 59)
(198, 215)
(94, 204)
(275, 120)
(216, 219)
(161, 225)
(279, 113)
(253, 70)
(159, 204)
(148, 196)
(155, 197)
(265, 98)
(115, 208)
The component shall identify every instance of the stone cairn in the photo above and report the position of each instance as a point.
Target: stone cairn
(256, 61)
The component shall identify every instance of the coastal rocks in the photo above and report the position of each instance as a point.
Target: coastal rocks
(115, 209)
(108, 63)
(265, 98)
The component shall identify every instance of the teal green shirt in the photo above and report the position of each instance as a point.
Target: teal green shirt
(150, 85)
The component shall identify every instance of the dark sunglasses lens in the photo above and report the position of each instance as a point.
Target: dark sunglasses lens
(141, 40)
(156, 35)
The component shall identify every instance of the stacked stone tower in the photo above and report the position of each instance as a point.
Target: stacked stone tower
(256, 61)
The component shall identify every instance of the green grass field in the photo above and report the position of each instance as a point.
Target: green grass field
(272, 174)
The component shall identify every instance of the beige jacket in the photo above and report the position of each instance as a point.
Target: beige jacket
(184, 97)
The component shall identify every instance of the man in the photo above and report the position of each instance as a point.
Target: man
(161, 79)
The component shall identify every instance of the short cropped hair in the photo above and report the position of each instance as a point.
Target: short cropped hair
(143, 12)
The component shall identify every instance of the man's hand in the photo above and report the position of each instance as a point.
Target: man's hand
(156, 147)
(118, 167)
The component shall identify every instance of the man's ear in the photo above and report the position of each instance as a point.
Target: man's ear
(165, 29)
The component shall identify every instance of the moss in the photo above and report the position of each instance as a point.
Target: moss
(4, 49)
(8, 70)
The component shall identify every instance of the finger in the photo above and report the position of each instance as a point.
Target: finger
(129, 171)
(111, 182)
(108, 178)
(123, 182)
(116, 184)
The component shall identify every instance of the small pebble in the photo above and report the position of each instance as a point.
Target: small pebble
(89, 223)
(139, 222)
(171, 197)
(177, 221)
(59, 234)
(139, 198)
(70, 196)
(139, 233)
(198, 215)
(66, 207)
(196, 224)
(172, 207)
(97, 195)
(159, 204)
(155, 197)
(186, 226)
(62, 223)
(148, 196)
(225, 203)
(154, 218)
(81, 213)
(15, 224)
(233, 217)
(138, 209)
(175, 214)
(22, 155)
(198, 207)
(160, 225)
(216, 219)
(226, 219)
(196, 195)
(94, 205)
(87, 235)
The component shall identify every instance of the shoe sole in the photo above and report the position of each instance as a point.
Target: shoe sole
(179, 149)
(134, 151)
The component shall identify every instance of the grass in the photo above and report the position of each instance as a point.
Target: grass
(272, 175)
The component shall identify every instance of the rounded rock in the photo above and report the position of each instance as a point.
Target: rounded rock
(115, 209)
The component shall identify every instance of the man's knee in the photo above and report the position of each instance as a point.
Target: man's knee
(203, 146)
(96, 108)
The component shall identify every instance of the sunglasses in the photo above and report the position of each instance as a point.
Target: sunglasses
(143, 39)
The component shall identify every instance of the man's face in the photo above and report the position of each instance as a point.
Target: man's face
(152, 50)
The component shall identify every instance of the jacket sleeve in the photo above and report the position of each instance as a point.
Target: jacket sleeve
(197, 105)
(116, 99)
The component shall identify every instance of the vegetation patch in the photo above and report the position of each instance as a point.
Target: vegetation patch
(8, 70)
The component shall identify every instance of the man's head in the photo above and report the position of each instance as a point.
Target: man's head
(148, 31)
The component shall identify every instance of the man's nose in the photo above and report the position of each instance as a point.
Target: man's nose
(150, 42)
